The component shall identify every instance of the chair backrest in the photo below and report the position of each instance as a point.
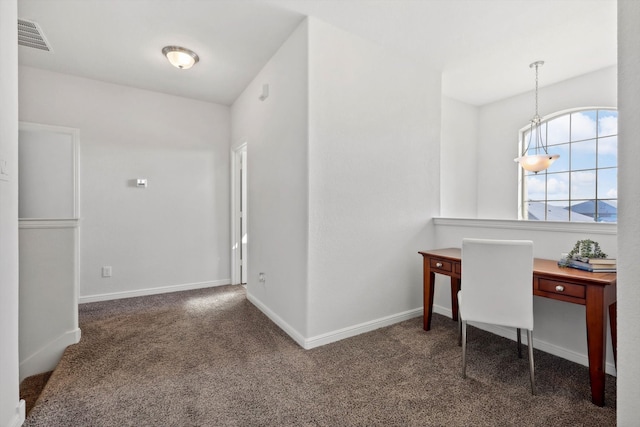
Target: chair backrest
(497, 282)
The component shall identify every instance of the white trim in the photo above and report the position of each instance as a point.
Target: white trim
(288, 329)
(236, 241)
(47, 357)
(515, 224)
(337, 335)
(24, 223)
(76, 274)
(361, 328)
(20, 416)
(547, 347)
(152, 291)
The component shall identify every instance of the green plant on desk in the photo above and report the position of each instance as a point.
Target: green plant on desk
(585, 249)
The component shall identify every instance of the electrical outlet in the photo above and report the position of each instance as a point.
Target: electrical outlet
(262, 278)
(106, 271)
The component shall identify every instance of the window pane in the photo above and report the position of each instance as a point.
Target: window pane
(583, 125)
(558, 130)
(583, 211)
(558, 210)
(534, 187)
(558, 186)
(583, 185)
(583, 155)
(607, 122)
(608, 211)
(536, 211)
(608, 152)
(562, 164)
(530, 139)
(608, 183)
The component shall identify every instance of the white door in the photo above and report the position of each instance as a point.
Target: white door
(239, 215)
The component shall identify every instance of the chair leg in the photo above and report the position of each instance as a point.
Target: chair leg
(464, 348)
(531, 367)
(459, 296)
(519, 343)
(459, 329)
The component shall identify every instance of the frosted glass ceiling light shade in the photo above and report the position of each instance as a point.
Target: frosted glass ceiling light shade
(540, 159)
(537, 162)
(180, 57)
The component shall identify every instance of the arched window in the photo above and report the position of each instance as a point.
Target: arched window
(582, 185)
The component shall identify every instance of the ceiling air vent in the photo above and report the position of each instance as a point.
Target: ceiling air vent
(30, 35)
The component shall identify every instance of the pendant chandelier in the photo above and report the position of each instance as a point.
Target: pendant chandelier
(539, 158)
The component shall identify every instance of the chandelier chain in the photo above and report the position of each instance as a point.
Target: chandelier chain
(537, 116)
(536, 162)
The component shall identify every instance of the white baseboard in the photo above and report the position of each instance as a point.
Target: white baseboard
(20, 416)
(361, 328)
(340, 334)
(47, 357)
(152, 291)
(547, 347)
(288, 329)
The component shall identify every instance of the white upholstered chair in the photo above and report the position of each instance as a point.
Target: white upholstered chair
(496, 288)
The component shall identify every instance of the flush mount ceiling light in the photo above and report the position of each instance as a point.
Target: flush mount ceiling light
(539, 159)
(180, 57)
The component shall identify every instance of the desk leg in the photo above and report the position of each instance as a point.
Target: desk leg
(455, 287)
(596, 341)
(613, 324)
(429, 279)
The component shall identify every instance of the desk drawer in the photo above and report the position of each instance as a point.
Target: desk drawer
(559, 287)
(441, 265)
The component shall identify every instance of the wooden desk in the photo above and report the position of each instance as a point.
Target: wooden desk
(596, 291)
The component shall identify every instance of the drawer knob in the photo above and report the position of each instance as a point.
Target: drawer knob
(438, 264)
(560, 288)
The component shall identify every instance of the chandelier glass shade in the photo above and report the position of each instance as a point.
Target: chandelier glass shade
(537, 162)
(536, 158)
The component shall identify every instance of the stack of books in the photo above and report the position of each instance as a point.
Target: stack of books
(595, 265)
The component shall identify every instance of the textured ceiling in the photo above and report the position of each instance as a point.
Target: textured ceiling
(482, 47)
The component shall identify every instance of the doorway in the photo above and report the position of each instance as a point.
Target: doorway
(239, 215)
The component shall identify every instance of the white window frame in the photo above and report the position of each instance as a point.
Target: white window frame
(522, 209)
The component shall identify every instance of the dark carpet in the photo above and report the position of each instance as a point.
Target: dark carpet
(210, 358)
(31, 388)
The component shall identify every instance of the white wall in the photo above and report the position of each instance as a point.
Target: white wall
(343, 177)
(458, 155)
(373, 180)
(47, 179)
(48, 293)
(172, 235)
(628, 224)
(499, 123)
(11, 408)
(275, 131)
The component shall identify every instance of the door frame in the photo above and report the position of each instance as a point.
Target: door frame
(236, 224)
